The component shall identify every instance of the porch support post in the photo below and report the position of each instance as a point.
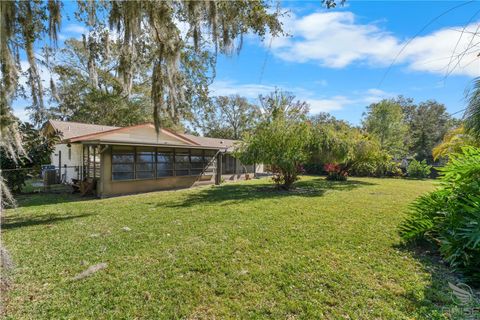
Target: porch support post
(218, 176)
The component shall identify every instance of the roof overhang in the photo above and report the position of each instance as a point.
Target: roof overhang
(159, 145)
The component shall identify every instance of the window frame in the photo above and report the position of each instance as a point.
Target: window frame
(138, 152)
(188, 167)
(172, 170)
(133, 164)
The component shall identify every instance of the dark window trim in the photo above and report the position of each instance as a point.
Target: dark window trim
(156, 162)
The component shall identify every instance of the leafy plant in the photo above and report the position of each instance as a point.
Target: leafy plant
(385, 120)
(450, 216)
(368, 159)
(453, 142)
(418, 169)
(280, 141)
(335, 172)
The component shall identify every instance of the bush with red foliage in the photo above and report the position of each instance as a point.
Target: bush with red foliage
(335, 172)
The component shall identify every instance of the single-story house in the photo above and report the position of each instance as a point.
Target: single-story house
(124, 160)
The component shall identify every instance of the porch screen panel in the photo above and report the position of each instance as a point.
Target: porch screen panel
(182, 162)
(164, 162)
(96, 161)
(91, 161)
(209, 161)
(197, 162)
(145, 163)
(228, 164)
(123, 163)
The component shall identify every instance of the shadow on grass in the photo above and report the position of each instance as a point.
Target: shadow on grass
(437, 296)
(40, 199)
(20, 221)
(239, 192)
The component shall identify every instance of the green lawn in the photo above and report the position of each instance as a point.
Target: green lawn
(325, 251)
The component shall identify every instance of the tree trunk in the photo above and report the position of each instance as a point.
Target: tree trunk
(289, 179)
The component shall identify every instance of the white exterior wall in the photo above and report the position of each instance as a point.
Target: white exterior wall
(75, 160)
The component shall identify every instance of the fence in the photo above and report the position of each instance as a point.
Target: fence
(42, 179)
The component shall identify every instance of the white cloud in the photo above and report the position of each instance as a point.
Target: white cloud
(446, 51)
(334, 39)
(374, 95)
(337, 40)
(251, 91)
(322, 83)
(75, 28)
(72, 31)
(328, 104)
(318, 103)
(21, 114)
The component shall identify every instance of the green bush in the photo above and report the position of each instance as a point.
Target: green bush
(450, 216)
(417, 169)
(368, 159)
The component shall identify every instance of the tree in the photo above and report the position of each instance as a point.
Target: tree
(428, 125)
(229, 117)
(472, 112)
(332, 140)
(280, 141)
(453, 142)
(347, 149)
(99, 99)
(149, 29)
(281, 103)
(385, 120)
(367, 158)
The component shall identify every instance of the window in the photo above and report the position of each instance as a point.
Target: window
(182, 162)
(145, 163)
(197, 163)
(69, 153)
(130, 163)
(123, 163)
(164, 162)
(209, 161)
(229, 164)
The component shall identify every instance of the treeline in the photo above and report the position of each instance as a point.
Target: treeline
(396, 138)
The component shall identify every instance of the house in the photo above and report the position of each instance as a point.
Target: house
(124, 160)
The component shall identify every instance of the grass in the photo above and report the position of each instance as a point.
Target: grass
(328, 250)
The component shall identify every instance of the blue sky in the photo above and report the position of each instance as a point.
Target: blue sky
(339, 60)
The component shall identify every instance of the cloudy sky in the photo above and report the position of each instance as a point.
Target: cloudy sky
(343, 59)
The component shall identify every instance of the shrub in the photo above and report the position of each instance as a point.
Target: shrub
(281, 141)
(380, 167)
(368, 159)
(417, 169)
(314, 168)
(335, 172)
(450, 216)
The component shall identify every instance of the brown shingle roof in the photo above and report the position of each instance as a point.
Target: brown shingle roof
(211, 142)
(75, 129)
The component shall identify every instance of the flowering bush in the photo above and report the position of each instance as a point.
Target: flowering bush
(335, 172)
